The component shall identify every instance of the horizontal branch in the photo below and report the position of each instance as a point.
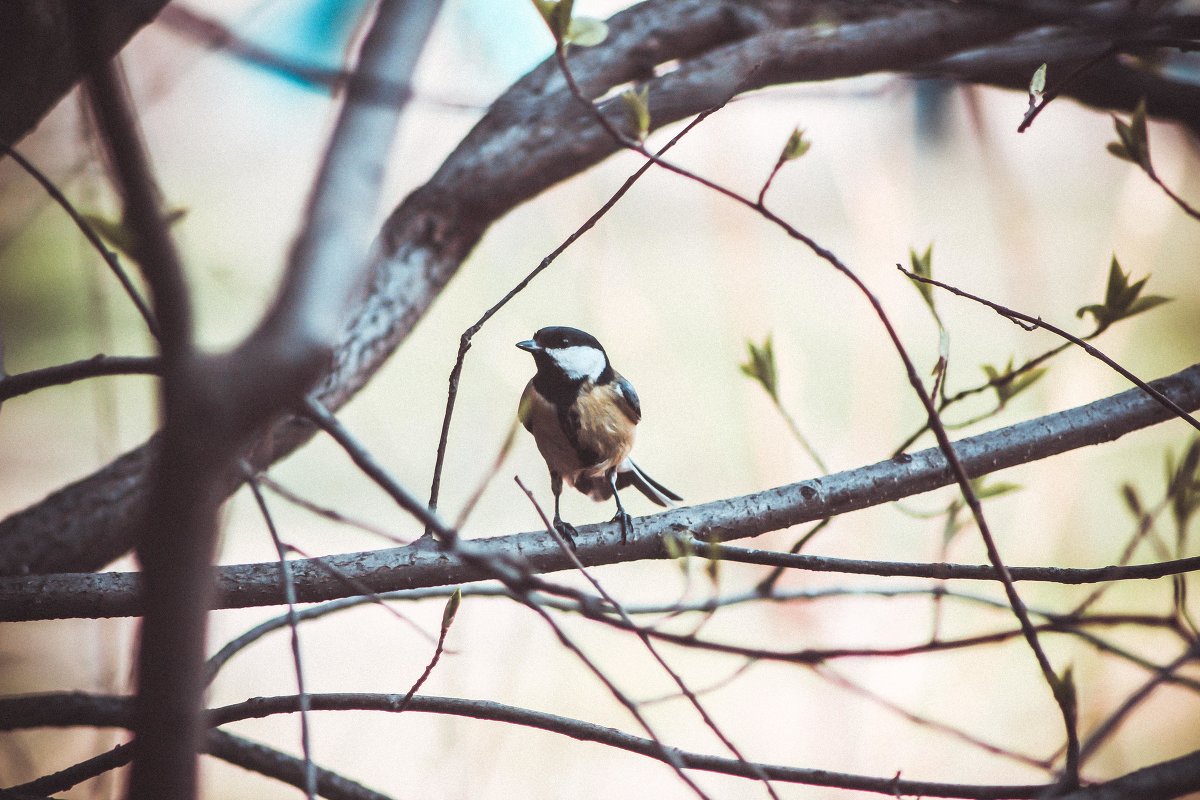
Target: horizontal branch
(942, 571)
(77, 708)
(61, 374)
(424, 563)
(1163, 780)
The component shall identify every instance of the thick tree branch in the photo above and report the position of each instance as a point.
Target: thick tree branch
(426, 564)
(47, 46)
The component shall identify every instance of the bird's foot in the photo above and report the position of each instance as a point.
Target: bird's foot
(567, 531)
(626, 524)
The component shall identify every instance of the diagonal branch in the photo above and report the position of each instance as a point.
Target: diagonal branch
(425, 564)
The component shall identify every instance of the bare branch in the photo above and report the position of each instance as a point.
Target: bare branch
(1163, 780)
(425, 564)
(99, 365)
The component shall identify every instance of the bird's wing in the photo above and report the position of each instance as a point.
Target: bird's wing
(628, 398)
(525, 407)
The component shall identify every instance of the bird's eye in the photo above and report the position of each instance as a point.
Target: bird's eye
(563, 341)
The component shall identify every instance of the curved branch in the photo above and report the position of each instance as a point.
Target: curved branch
(1163, 780)
(533, 137)
(424, 563)
(219, 744)
(108, 711)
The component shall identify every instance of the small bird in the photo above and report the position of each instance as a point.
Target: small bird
(582, 415)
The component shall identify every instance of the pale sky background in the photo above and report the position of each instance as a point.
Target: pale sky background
(673, 281)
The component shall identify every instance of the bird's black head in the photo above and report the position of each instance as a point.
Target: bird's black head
(569, 354)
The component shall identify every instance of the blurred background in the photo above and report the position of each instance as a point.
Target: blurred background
(674, 281)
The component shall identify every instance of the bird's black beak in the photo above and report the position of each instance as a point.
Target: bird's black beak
(530, 345)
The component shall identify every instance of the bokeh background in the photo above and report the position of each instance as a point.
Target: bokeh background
(674, 281)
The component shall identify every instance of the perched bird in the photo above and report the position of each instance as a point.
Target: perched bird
(582, 414)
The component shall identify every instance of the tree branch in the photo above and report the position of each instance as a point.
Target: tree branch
(425, 564)
(1163, 780)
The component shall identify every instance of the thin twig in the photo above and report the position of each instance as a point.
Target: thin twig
(97, 242)
(945, 402)
(838, 679)
(1114, 720)
(289, 593)
(328, 513)
(944, 571)
(361, 589)
(1187, 208)
(669, 755)
(75, 774)
(767, 585)
(433, 661)
(367, 463)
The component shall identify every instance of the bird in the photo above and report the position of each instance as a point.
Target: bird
(582, 414)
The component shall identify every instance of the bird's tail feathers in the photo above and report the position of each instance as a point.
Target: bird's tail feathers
(630, 474)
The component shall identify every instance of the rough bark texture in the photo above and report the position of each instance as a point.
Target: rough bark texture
(46, 46)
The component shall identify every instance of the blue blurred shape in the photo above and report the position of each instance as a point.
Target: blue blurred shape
(304, 39)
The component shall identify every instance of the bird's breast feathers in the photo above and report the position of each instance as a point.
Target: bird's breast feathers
(586, 437)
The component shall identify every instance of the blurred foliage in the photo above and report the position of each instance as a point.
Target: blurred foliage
(637, 104)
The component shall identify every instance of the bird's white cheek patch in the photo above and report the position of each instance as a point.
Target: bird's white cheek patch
(579, 362)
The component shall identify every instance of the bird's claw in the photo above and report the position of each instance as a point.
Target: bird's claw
(567, 531)
(626, 524)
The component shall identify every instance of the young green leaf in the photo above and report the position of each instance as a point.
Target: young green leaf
(760, 365)
(112, 232)
(1009, 383)
(637, 103)
(953, 524)
(679, 550)
(713, 569)
(557, 16)
(1182, 485)
(922, 265)
(795, 147)
(1130, 495)
(586, 31)
(986, 491)
(1121, 299)
(1133, 142)
(451, 609)
(1066, 693)
(121, 237)
(1037, 84)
